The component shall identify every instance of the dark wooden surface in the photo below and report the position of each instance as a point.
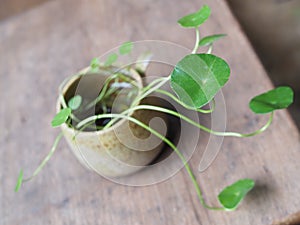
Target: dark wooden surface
(13, 7)
(42, 46)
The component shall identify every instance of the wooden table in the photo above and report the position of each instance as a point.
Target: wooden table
(42, 46)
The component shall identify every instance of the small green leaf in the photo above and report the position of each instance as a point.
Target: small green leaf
(75, 102)
(95, 63)
(19, 182)
(111, 59)
(61, 117)
(126, 48)
(195, 19)
(232, 195)
(278, 98)
(197, 78)
(208, 40)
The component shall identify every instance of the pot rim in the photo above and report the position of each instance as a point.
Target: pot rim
(70, 80)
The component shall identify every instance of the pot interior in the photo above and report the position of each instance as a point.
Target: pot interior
(117, 95)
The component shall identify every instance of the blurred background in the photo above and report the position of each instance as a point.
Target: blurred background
(272, 26)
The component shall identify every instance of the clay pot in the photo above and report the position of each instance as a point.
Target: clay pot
(120, 150)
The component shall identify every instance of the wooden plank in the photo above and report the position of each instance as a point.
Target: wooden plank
(13, 7)
(40, 48)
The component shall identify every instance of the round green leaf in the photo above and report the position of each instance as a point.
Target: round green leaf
(197, 78)
(208, 40)
(75, 102)
(232, 195)
(126, 48)
(278, 98)
(61, 117)
(95, 63)
(111, 59)
(195, 19)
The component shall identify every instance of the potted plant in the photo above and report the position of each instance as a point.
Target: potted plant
(104, 102)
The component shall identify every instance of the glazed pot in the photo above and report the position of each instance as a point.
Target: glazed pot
(122, 149)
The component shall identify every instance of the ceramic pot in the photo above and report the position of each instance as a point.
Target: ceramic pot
(122, 149)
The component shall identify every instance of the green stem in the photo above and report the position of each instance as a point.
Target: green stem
(196, 41)
(158, 80)
(217, 133)
(96, 117)
(210, 48)
(106, 90)
(85, 126)
(184, 105)
(168, 142)
(187, 167)
(73, 117)
(145, 91)
(151, 89)
(102, 93)
(46, 159)
(182, 158)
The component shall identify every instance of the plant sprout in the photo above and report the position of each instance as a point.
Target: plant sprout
(195, 80)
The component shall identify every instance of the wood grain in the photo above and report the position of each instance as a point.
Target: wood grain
(41, 47)
(293, 219)
(14, 7)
